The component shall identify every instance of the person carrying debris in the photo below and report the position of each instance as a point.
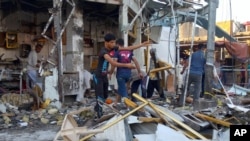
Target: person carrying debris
(33, 65)
(155, 77)
(100, 75)
(123, 74)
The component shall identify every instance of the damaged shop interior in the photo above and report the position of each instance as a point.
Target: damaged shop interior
(71, 35)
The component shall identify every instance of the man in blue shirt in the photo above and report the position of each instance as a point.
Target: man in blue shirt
(197, 65)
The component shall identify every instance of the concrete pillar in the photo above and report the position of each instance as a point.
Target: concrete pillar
(73, 60)
(123, 26)
(123, 21)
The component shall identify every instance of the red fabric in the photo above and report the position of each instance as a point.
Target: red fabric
(236, 49)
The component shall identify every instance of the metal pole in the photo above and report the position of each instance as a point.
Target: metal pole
(137, 15)
(213, 4)
(189, 62)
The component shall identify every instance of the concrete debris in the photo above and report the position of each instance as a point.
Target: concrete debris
(52, 111)
(221, 135)
(6, 119)
(2, 108)
(17, 99)
(164, 121)
(44, 120)
(194, 122)
(22, 124)
(238, 90)
(25, 118)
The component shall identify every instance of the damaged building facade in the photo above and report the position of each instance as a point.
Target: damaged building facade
(71, 34)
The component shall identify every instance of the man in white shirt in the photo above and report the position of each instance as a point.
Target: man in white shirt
(33, 65)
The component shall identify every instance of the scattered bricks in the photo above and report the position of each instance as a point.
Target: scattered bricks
(7, 120)
(25, 118)
(44, 120)
(59, 123)
(33, 116)
(2, 108)
(59, 117)
(52, 111)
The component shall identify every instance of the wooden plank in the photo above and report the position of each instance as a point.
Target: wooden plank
(80, 131)
(170, 83)
(160, 69)
(117, 132)
(116, 2)
(171, 117)
(212, 119)
(145, 119)
(116, 121)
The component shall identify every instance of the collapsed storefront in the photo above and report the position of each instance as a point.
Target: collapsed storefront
(71, 33)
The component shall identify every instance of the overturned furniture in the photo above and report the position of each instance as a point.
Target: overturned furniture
(70, 130)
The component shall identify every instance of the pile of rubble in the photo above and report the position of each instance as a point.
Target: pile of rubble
(17, 111)
(153, 120)
(145, 120)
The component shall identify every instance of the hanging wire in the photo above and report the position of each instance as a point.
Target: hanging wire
(230, 42)
(173, 15)
(189, 61)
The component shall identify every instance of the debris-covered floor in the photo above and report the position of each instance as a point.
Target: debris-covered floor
(145, 120)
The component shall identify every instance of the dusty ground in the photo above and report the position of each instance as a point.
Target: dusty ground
(43, 133)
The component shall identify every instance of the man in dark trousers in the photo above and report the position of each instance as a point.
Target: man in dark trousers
(123, 74)
(197, 65)
(155, 77)
(100, 75)
(136, 81)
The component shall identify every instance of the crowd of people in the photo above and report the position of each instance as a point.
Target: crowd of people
(121, 58)
(129, 74)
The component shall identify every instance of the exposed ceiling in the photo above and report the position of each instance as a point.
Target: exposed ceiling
(99, 10)
(26, 5)
(90, 9)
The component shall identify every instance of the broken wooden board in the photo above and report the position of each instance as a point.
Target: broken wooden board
(146, 119)
(212, 119)
(70, 130)
(118, 132)
(158, 110)
(69, 123)
(80, 131)
(151, 111)
(170, 83)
